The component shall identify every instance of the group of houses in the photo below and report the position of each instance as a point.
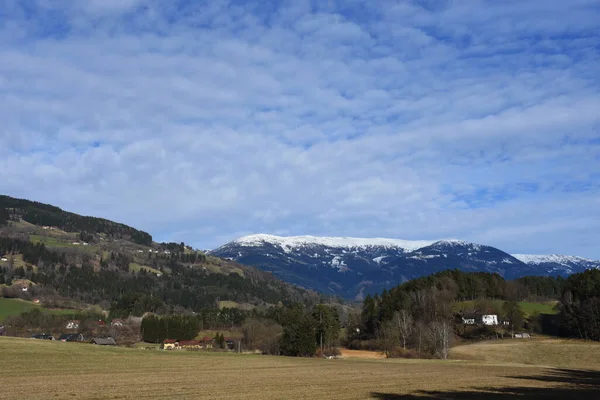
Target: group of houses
(77, 337)
(72, 334)
(485, 319)
(205, 343)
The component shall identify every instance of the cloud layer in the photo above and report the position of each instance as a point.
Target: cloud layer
(416, 120)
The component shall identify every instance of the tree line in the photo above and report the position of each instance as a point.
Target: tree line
(293, 330)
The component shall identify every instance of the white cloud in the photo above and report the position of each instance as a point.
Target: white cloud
(202, 123)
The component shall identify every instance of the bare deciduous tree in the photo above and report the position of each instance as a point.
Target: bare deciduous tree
(404, 321)
(440, 336)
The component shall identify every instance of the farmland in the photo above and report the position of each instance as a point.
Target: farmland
(10, 307)
(44, 369)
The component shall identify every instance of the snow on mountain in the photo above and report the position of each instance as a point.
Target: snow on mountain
(351, 267)
(292, 242)
(537, 259)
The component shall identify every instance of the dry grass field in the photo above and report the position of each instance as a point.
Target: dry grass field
(548, 352)
(35, 369)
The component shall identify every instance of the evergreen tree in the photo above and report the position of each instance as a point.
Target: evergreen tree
(298, 333)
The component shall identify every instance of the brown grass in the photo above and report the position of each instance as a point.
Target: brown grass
(36, 369)
(362, 354)
(562, 353)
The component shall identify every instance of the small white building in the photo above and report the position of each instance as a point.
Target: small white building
(74, 324)
(489, 319)
(468, 321)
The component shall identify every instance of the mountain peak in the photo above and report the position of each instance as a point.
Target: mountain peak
(289, 242)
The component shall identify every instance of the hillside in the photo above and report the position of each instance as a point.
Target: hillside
(50, 216)
(68, 258)
(354, 267)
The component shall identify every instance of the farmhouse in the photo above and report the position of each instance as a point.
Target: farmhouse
(207, 342)
(71, 337)
(117, 323)
(73, 324)
(489, 319)
(522, 336)
(190, 344)
(170, 344)
(104, 341)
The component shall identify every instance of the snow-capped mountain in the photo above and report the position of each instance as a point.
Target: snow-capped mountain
(352, 267)
(555, 263)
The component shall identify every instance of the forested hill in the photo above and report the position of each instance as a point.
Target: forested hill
(64, 259)
(47, 215)
(443, 296)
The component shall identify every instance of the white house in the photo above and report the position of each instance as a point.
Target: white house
(468, 321)
(74, 324)
(489, 319)
(522, 336)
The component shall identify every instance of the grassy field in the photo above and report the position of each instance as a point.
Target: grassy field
(54, 242)
(135, 267)
(9, 307)
(48, 370)
(542, 308)
(549, 352)
(527, 307)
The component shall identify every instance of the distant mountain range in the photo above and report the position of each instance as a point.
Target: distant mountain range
(353, 267)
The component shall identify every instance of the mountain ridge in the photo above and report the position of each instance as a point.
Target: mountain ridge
(351, 267)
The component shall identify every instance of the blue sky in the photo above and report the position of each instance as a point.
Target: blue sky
(205, 121)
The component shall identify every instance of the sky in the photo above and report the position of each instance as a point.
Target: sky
(204, 121)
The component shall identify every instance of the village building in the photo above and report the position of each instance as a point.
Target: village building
(522, 336)
(489, 319)
(71, 337)
(109, 341)
(72, 325)
(190, 344)
(117, 323)
(169, 344)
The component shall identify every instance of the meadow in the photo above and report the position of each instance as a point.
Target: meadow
(10, 307)
(55, 370)
(528, 308)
